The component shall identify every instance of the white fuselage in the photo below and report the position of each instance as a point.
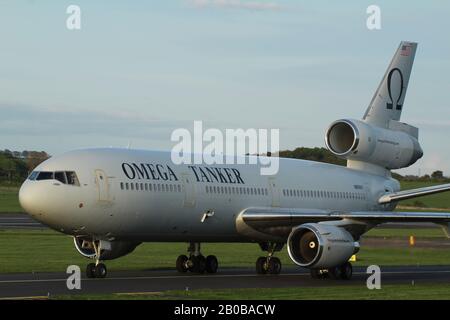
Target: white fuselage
(142, 196)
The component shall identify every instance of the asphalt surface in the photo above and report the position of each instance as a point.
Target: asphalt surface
(18, 221)
(41, 285)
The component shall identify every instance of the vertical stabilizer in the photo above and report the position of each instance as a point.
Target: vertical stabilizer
(387, 102)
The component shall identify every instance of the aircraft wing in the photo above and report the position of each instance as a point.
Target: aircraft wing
(278, 222)
(413, 193)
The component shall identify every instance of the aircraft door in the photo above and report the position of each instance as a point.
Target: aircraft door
(102, 182)
(189, 190)
(273, 188)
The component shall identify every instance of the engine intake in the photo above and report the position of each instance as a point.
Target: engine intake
(393, 148)
(316, 245)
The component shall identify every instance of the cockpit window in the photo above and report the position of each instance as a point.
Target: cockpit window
(72, 178)
(45, 175)
(33, 175)
(66, 177)
(61, 176)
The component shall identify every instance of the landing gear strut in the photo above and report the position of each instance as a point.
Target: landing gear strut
(97, 269)
(196, 262)
(343, 272)
(269, 264)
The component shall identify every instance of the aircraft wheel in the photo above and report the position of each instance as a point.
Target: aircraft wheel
(211, 264)
(335, 273)
(317, 274)
(274, 266)
(90, 270)
(346, 271)
(260, 265)
(181, 263)
(198, 264)
(100, 271)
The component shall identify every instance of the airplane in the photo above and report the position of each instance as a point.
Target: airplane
(111, 200)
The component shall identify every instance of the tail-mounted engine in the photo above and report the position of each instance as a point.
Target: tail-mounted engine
(392, 148)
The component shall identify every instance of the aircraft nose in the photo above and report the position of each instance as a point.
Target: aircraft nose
(29, 198)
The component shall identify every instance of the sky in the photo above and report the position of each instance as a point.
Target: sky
(137, 70)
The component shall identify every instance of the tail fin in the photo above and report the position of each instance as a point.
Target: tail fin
(387, 102)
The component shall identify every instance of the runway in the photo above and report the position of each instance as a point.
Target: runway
(19, 221)
(50, 284)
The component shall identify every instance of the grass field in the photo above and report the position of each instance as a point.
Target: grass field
(9, 201)
(46, 251)
(440, 200)
(344, 292)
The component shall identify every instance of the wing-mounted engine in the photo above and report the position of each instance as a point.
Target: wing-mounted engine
(108, 249)
(317, 245)
(391, 148)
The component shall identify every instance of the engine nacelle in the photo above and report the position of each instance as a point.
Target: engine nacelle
(315, 245)
(392, 148)
(108, 249)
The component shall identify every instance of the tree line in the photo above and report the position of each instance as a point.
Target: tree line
(15, 166)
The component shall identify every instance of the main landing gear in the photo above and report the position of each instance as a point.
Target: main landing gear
(196, 262)
(343, 272)
(97, 269)
(269, 264)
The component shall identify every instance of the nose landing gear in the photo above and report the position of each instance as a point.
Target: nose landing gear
(97, 269)
(196, 262)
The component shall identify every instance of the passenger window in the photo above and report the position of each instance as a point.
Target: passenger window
(121, 185)
(126, 186)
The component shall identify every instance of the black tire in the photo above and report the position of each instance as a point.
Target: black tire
(335, 273)
(346, 271)
(274, 266)
(316, 273)
(181, 263)
(260, 269)
(90, 270)
(198, 264)
(211, 264)
(100, 271)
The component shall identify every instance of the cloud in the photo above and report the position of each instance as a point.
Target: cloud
(236, 4)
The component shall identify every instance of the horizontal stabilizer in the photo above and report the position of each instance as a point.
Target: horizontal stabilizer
(413, 193)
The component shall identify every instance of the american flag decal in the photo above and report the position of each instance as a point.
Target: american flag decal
(406, 51)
